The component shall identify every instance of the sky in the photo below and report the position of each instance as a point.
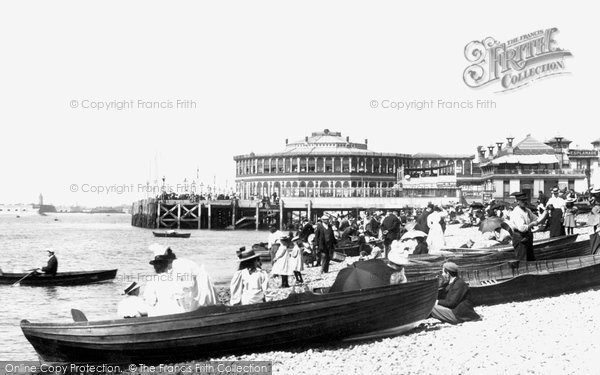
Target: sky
(253, 74)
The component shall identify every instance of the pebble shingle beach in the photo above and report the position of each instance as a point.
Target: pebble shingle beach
(557, 335)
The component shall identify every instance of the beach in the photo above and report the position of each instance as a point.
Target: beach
(544, 336)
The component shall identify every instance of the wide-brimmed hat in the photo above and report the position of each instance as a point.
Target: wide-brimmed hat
(247, 255)
(50, 251)
(555, 190)
(570, 200)
(324, 217)
(157, 249)
(160, 259)
(131, 287)
(520, 196)
(397, 256)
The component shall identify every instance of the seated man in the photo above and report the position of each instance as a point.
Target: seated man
(132, 306)
(454, 304)
(52, 265)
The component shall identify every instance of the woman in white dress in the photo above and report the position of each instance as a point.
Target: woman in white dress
(281, 261)
(162, 293)
(249, 283)
(435, 237)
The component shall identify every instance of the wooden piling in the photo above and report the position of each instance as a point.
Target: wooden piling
(280, 214)
(199, 216)
(233, 214)
(209, 215)
(257, 215)
(158, 215)
(178, 216)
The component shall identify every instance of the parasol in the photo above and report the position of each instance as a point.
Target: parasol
(362, 275)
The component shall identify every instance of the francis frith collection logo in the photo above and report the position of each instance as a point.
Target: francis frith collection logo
(515, 63)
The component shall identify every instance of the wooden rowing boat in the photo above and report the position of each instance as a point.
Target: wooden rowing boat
(301, 319)
(546, 242)
(530, 280)
(423, 265)
(172, 234)
(61, 278)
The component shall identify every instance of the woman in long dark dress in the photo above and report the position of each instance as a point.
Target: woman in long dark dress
(556, 222)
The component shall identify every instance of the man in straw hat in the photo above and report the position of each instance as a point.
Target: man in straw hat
(249, 283)
(324, 242)
(132, 306)
(454, 298)
(522, 220)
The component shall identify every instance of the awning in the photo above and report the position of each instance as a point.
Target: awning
(526, 159)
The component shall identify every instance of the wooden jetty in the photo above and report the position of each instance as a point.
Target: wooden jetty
(237, 214)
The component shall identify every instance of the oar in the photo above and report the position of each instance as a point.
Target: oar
(78, 315)
(24, 277)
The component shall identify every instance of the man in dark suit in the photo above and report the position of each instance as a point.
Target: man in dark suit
(324, 242)
(422, 219)
(52, 265)
(454, 298)
(390, 226)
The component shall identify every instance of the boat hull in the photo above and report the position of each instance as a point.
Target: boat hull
(61, 278)
(172, 235)
(301, 319)
(535, 280)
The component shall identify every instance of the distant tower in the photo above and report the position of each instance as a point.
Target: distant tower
(41, 199)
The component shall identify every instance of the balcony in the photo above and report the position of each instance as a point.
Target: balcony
(502, 172)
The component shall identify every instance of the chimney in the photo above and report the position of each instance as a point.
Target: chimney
(491, 148)
(306, 139)
(510, 141)
(480, 153)
(347, 139)
(366, 141)
(286, 141)
(499, 144)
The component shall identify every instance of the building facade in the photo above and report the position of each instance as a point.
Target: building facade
(530, 166)
(325, 164)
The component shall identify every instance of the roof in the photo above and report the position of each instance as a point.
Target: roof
(596, 141)
(526, 159)
(553, 140)
(425, 155)
(531, 146)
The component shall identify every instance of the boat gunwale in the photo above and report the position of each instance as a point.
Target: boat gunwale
(378, 292)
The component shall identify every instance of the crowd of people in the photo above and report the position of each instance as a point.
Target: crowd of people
(180, 285)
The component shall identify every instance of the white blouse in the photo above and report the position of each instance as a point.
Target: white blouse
(248, 288)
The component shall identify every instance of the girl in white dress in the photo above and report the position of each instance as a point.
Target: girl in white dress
(281, 262)
(297, 259)
(249, 283)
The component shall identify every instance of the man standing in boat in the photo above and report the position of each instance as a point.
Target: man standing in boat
(52, 265)
(324, 242)
(522, 220)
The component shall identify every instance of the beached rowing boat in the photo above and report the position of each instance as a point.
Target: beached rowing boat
(529, 280)
(425, 265)
(61, 278)
(301, 319)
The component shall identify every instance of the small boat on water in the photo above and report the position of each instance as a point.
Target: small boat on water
(301, 319)
(171, 234)
(61, 278)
